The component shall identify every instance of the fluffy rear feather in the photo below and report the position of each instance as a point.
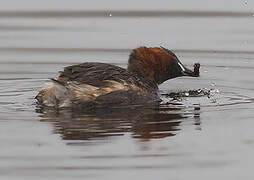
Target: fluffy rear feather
(54, 94)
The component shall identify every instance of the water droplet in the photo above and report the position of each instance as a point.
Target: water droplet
(213, 101)
(110, 15)
(214, 91)
(186, 93)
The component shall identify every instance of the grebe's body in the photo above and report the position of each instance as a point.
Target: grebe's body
(98, 84)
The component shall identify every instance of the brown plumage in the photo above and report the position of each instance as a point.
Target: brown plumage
(98, 84)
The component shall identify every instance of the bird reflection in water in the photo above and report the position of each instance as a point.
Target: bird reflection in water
(142, 123)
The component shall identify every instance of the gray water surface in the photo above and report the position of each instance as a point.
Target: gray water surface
(191, 137)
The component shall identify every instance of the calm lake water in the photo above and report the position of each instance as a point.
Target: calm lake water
(205, 135)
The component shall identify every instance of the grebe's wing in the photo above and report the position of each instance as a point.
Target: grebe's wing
(93, 73)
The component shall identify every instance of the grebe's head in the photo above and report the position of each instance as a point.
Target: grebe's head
(158, 64)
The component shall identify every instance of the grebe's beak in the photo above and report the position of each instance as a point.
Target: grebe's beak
(188, 72)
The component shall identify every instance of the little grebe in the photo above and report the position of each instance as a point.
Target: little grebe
(93, 84)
